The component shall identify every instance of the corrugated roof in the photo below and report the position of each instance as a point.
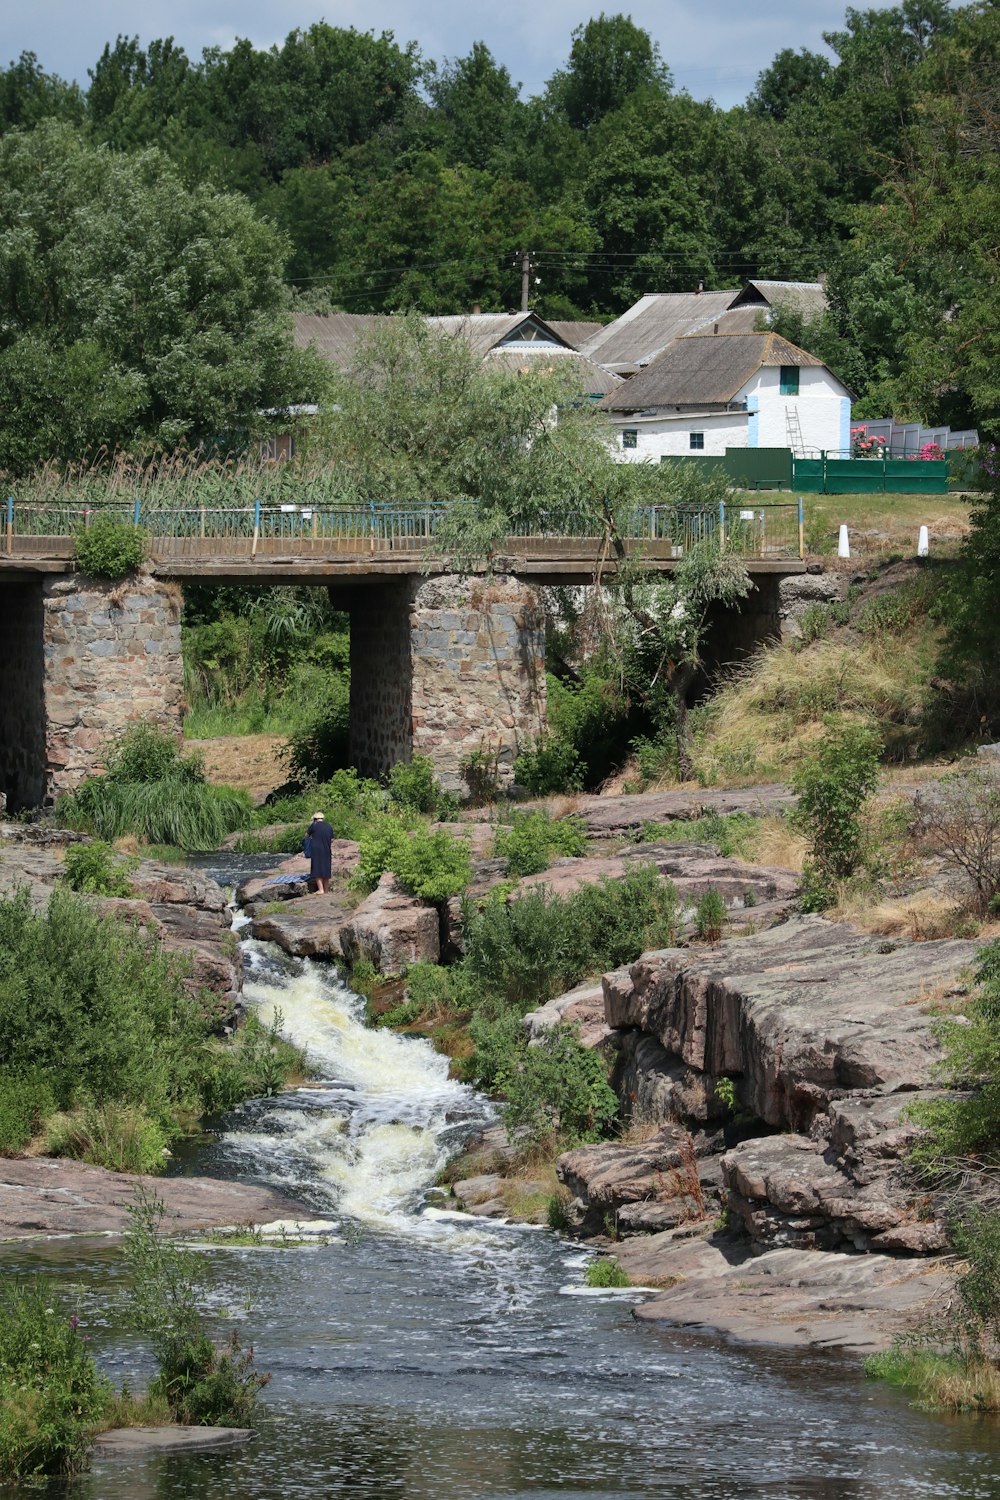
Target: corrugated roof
(333, 335)
(575, 334)
(645, 330)
(808, 297)
(706, 370)
(483, 331)
(593, 379)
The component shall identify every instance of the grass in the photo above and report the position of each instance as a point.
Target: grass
(893, 522)
(939, 1381)
(606, 1272)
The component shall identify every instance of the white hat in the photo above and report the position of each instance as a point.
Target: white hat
(317, 815)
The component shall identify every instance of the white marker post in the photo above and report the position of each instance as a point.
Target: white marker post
(923, 543)
(843, 545)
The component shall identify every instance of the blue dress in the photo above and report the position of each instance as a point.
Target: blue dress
(320, 859)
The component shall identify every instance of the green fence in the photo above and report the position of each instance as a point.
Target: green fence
(749, 468)
(833, 474)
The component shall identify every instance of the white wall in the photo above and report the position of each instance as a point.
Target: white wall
(658, 437)
(819, 405)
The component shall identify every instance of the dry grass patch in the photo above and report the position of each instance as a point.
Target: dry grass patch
(919, 915)
(773, 841)
(254, 763)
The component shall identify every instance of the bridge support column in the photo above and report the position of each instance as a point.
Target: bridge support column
(83, 659)
(446, 667)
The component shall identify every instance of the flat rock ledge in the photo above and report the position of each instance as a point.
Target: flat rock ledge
(42, 1196)
(789, 1298)
(126, 1443)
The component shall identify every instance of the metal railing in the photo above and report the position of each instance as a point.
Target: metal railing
(666, 530)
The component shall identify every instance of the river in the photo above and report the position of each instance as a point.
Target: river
(423, 1354)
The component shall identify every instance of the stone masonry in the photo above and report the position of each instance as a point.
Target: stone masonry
(445, 667)
(112, 655)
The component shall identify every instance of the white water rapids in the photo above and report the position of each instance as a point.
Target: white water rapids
(379, 1122)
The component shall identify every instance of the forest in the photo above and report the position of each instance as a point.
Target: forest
(158, 225)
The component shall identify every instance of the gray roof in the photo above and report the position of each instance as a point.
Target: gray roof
(333, 335)
(592, 378)
(575, 334)
(807, 297)
(645, 330)
(483, 331)
(706, 370)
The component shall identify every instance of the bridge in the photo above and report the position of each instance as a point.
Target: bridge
(442, 664)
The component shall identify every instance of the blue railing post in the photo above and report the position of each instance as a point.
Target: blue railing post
(802, 529)
(256, 527)
(722, 524)
(10, 523)
(136, 509)
(371, 523)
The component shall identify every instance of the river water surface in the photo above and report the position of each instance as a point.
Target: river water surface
(422, 1354)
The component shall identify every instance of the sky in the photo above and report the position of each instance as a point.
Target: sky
(715, 48)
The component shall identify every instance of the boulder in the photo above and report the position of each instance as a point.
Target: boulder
(798, 1015)
(304, 926)
(612, 1175)
(582, 1007)
(610, 817)
(392, 929)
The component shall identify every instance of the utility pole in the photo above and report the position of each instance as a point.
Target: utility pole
(525, 278)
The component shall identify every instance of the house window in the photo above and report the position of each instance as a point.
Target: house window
(630, 437)
(696, 440)
(789, 380)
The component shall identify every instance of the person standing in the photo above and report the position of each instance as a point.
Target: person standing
(320, 838)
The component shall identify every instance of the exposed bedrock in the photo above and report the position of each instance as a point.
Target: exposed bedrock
(824, 1035)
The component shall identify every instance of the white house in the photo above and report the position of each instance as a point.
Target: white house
(706, 393)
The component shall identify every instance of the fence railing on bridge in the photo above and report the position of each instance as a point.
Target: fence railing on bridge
(663, 531)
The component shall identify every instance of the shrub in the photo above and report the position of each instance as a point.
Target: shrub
(431, 865)
(534, 839)
(557, 1089)
(814, 622)
(413, 784)
(51, 1395)
(120, 1137)
(96, 869)
(26, 1100)
(145, 752)
(321, 745)
(481, 772)
(202, 1382)
(710, 916)
(496, 1035)
(521, 952)
(960, 820)
(833, 786)
(553, 765)
(606, 1272)
(109, 548)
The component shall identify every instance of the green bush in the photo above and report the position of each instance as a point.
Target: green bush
(413, 784)
(120, 1137)
(145, 752)
(321, 744)
(96, 1019)
(814, 623)
(96, 869)
(833, 785)
(553, 765)
(109, 548)
(606, 1272)
(51, 1395)
(534, 839)
(203, 1383)
(730, 832)
(431, 865)
(967, 1124)
(710, 916)
(523, 951)
(557, 1089)
(496, 1035)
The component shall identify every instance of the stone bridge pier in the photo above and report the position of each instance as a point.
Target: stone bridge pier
(80, 660)
(445, 667)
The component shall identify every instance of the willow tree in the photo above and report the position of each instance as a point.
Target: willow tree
(421, 417)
